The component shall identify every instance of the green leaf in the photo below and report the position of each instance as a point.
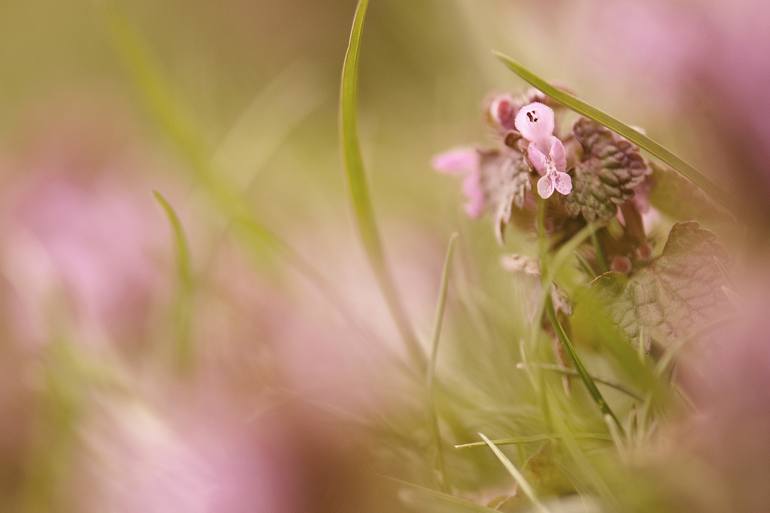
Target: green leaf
(359, 189)
(668, 189)
(617, 126)
(185, 284)
(676, 295)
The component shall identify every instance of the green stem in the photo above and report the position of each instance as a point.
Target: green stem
(601, 260)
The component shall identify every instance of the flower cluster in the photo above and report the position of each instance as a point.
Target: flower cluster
(600, 177)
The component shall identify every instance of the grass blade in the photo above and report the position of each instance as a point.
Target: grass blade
(440, 306)
(174, 122)
(185, 283)
(617, 126)
(514, 472)
(359, 190)
(574, 374)
(588, 381)
(532, 439)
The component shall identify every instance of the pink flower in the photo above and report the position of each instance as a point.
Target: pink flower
(465, 162)
(545, 151)
(502, 110)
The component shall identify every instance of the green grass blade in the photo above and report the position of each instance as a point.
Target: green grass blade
(185, 283)
(517, 476)
(617, 126)
(163, 107)
(588, 381)
(438, 321)
(532, 439)
(359, 190)
(574, 374)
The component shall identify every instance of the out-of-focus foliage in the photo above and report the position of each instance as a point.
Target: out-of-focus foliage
(224, 346)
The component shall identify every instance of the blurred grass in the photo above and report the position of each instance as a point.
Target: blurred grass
(185, 286)
(359, 190)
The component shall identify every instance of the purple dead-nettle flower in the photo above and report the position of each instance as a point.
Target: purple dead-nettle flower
(465, 162)
(502, 111)
(545, 151)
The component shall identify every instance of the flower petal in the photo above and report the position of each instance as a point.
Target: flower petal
(562, 182)
(537, 158)
(558, 154)
(457, 161)
(545, 186)
(474, 194)
(535, 122)
(502, 110)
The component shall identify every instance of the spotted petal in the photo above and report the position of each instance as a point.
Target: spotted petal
(535, 122)
(562, 182)
(545, 186)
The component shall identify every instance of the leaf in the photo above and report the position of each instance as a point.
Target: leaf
(185, 284)
(610, 170)
(680, 292)
(617, 126)
(668, 189)
(359, 189)
(505, 180)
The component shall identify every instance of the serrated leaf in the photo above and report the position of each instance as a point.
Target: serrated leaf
(610, 170)
(675, 296)
(589, 197)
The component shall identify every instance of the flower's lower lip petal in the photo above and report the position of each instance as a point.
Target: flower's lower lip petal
(545, 187)
(563, 183)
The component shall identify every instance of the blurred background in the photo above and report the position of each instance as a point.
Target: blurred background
(187, 320)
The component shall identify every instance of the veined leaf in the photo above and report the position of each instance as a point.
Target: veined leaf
(359, 189)
(618, 127)
(679, 293)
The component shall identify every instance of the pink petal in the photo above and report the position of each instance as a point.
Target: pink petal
(457, 161)
(474, 194)
(545, 187)
(558, 154)
(535, 122)
(537, 158)
(562, 182)
(502, 111)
